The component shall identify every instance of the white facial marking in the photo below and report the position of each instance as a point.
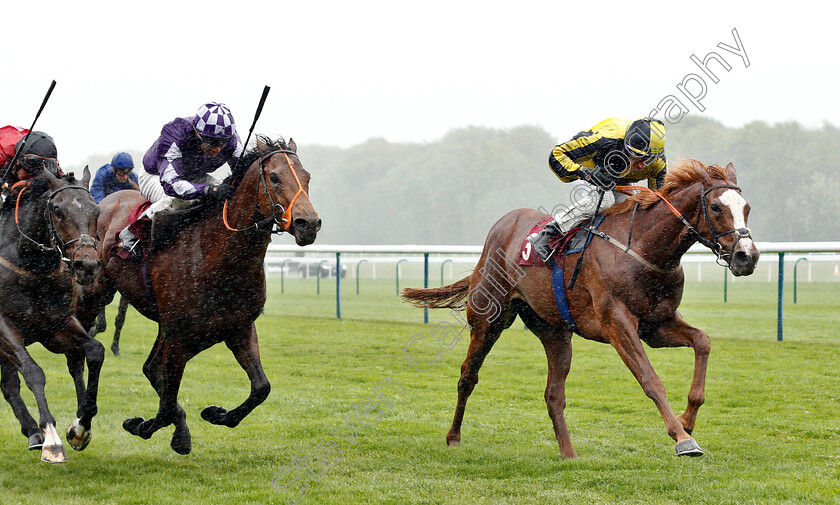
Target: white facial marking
(77, 203)
(736, 204)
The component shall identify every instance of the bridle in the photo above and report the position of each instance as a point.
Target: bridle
(56, 243)
(284, 223)
(723, 257)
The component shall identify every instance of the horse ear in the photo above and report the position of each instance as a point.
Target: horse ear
(703, 173)
(86, 177)
(52, 180)
(292, 145)
(730, 173)
(261, 146)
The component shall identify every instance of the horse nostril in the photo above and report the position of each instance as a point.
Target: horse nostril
(741, 258)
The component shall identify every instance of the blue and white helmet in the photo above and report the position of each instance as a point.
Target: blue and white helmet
(214, 120)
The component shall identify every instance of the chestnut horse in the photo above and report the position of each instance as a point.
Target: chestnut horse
(46, 243)
(208, 285)
(619, 298)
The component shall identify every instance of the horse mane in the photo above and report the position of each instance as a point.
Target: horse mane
(681, 175)
(250, 156)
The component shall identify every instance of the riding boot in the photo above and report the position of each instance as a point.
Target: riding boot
(539, 240)
(130, 242)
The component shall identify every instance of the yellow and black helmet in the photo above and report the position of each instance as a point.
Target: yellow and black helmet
(645, 138)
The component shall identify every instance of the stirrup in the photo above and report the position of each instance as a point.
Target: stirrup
(541, 238)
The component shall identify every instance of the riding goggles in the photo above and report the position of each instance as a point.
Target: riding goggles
(33, 163)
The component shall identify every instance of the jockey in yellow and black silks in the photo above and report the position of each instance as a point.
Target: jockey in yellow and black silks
(616, 151)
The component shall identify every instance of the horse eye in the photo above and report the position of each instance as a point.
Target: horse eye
(58, 213)
(274, 178)
(715, 208)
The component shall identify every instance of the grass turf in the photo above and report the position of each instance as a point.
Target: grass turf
(769, 425)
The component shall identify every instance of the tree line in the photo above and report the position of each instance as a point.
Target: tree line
(452, 190)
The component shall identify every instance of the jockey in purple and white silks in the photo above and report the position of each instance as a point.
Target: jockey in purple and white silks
(176, 169)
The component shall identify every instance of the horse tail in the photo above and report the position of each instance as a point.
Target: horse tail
(444, 297)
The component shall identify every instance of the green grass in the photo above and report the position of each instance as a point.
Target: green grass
(770, 426)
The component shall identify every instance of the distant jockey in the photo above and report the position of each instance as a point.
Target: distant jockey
(614, 151)
(176, 168)
(114, 176)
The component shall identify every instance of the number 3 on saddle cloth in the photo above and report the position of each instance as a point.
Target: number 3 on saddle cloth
(570, 242)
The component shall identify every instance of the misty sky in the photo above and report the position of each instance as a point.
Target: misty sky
(344, 72)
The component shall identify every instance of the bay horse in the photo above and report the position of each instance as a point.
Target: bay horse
(47, 230)
(208, 285)
(619, 298)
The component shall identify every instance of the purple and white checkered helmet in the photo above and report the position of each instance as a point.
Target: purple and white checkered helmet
(214, 120)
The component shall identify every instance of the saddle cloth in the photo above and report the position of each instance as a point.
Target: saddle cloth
(570, 242)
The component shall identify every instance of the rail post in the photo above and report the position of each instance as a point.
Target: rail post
(441, 270)
(398, 275)
(794, 276)
(318, 276)
(357, 274)
(338, 285)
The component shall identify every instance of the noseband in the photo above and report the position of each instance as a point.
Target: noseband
(56, 243)
(714, 244)
(284, 223)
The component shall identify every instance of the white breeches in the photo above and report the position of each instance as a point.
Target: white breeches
(151, 188)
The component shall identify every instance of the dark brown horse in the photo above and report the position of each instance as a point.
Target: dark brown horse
(47, 227)
(208, 285)
(617, 299)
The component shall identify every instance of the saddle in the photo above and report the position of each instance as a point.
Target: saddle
(156, 235)
(560, 243)
(168, 224)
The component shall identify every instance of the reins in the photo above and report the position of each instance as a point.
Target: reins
(712, 244)
(285, 222)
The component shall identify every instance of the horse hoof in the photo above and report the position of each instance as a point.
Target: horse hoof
(52, 450)
(453, 440)
(115, 350)
(132, 425)
(181, 444)
(36, 441)
(77, 436)
(689, 448)
(217, 415)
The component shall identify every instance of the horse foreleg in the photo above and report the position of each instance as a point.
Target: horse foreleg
(10, 384)
(118, 325)
(92, 353)
(678, 333)
(622, 332)
(247, 353)
(52, 450)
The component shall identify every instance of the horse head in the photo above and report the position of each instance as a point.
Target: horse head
(71, 215)
(723, 222)
(286, 191)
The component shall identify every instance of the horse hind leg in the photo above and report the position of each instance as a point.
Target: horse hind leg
(164, 359)
(488, 311)
(247, 353)
(118, 325)
(557, 342)
(10, 384)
